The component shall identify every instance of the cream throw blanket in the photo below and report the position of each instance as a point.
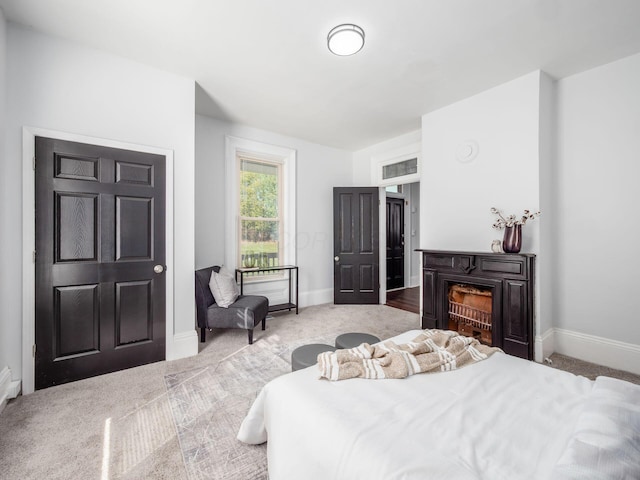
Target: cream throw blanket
(431, 351)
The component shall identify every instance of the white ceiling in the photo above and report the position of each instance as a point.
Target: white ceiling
(264, 63)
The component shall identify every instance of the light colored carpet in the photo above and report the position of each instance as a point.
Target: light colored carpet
(178, 420)
(130, 424)
(209, 403)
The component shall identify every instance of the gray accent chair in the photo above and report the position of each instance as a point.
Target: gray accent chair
(246, 312)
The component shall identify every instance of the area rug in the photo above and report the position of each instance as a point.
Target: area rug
(208, 405)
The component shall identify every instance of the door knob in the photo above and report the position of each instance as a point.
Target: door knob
(158, 268)
(336, 258)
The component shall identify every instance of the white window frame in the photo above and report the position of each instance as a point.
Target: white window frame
(234, 147)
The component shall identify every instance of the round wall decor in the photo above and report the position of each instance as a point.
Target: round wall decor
(467, 151)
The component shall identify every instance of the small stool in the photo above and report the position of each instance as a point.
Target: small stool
(307, 355)
(350, 340)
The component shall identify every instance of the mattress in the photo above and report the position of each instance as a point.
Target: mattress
(501, 418)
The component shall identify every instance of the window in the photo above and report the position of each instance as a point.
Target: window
(260, 207)
(398, 166)
(260, 211)
(400, 169)
(393, 188)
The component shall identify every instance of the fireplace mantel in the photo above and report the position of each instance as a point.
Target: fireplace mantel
(509, 276)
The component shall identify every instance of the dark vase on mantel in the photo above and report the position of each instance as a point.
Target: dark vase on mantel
(512, 241)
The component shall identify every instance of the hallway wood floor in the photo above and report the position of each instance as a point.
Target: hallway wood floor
(405, 299)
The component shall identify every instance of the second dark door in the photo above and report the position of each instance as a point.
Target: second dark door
(395, 243)
(100, 260)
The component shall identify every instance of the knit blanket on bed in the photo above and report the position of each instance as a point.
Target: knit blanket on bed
(431, 351)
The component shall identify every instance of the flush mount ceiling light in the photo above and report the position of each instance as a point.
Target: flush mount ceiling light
(345, 39)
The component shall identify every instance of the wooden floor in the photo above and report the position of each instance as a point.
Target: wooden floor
(405, 299)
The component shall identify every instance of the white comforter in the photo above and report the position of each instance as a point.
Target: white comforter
(502, 418)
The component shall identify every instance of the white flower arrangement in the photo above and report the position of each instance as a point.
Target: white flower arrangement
(512, 220)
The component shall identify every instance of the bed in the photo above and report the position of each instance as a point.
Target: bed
(500, 418)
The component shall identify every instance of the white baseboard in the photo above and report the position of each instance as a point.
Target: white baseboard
(316, 297)
(8, 388)
(185, 344)
(5, 379)
(543, 346)
(278, 292)
(599, 350)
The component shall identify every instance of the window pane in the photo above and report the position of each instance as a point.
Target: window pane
(407, 167)
(259, 243)
(258, 189)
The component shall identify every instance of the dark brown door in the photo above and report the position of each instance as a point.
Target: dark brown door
(356, 250)
(100, 222)
(395, 243)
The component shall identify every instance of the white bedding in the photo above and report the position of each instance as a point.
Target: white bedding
(501, 418)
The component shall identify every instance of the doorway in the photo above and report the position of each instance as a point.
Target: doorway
(360, 252)
(402, 238)
(405, 299)
(395, 242)
(100, 260)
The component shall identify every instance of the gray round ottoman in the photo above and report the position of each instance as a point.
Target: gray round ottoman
(350, 340)
(307, 355)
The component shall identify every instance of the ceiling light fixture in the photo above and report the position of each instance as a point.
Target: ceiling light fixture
(345, 39)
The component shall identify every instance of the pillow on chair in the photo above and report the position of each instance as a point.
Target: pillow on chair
(223, 287)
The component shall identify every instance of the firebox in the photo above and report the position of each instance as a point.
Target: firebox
(469, 310)
(488, 296)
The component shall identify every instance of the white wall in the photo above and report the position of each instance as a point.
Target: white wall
(5, 207)
(210, 191)
(319, 169)
(364, 162)
(58, 85)
(456, 197)
(547, 263)
(413, 233)
(597, 202)
(567, 147)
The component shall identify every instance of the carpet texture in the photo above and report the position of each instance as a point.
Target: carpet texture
(209, 404)
(178, 420)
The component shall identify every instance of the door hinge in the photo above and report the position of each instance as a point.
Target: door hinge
(34, 163)
(33, 350)
(34, 256)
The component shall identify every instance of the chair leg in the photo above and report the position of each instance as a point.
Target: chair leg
(264, 323)
(250, 332)
(202, 335)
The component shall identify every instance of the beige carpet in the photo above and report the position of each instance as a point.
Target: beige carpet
(177, 420)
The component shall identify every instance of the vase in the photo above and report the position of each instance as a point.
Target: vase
(512, 241)
(249, 260)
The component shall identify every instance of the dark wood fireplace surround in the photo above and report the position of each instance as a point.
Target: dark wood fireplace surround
(510, 277)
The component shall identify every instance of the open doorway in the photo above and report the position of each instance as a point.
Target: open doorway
(402, 238)
(395, 227)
